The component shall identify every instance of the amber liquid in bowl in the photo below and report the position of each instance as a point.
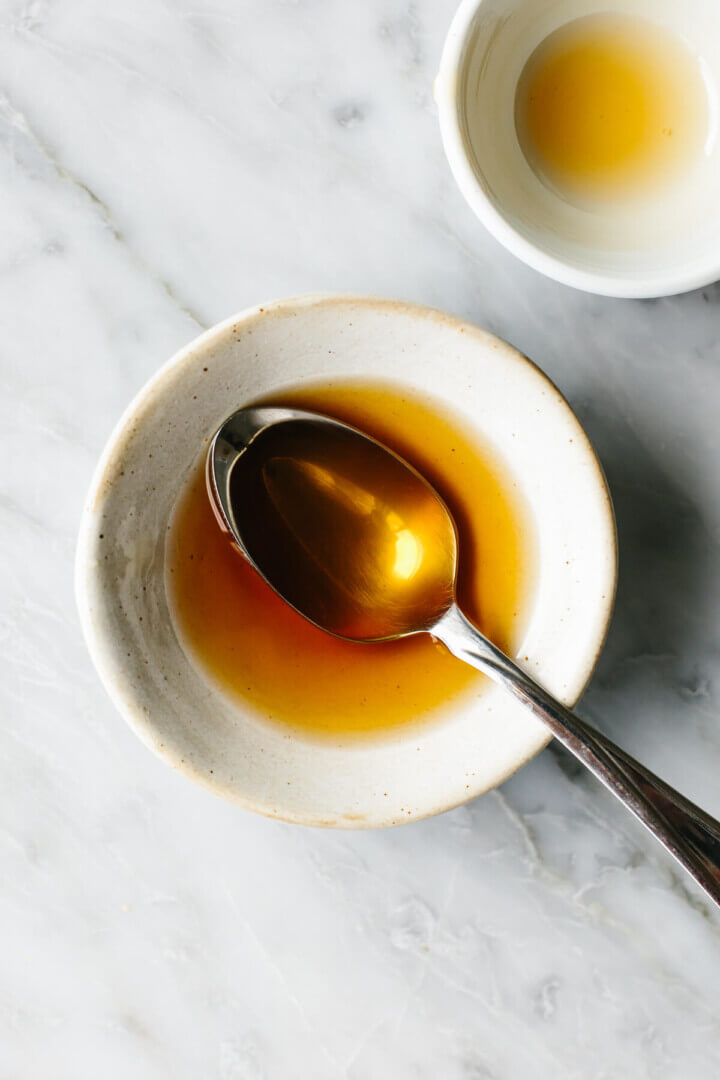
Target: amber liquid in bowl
(266, 656)
(611, 108)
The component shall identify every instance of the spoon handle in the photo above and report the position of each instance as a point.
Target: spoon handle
(687, 832)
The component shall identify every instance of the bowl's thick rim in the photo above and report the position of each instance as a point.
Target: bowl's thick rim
(102, 656)
(446, 90)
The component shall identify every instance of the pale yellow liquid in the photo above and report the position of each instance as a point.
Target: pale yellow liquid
(611, 107)
(290, 673)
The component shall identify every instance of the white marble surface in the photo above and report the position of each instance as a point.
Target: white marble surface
(164, 163)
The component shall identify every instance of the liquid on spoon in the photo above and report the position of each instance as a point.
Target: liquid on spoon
(345, 531)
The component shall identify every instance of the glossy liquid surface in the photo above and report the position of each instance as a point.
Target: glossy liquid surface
(266, 655)
(344, 530)
(611, 107)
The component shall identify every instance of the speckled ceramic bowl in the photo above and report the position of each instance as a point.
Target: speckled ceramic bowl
(120, 577)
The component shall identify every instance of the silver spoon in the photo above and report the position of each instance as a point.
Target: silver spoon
(360, 544)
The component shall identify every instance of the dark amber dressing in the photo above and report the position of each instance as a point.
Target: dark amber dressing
(344, 530)
(262, 652)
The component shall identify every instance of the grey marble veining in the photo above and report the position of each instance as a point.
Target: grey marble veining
(164, 163)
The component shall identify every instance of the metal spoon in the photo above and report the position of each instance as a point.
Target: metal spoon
(360, 544)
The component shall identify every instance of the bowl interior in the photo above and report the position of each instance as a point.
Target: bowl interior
(155, 448)
(664, 243)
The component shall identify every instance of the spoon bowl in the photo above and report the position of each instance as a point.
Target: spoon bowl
(342, 528)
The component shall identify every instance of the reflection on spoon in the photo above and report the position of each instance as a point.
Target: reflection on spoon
(340, 533)
(328, 514)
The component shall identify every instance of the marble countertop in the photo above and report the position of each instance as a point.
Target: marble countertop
(164, 163)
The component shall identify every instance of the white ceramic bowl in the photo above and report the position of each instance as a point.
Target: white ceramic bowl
(154, 449)
(665, 246)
